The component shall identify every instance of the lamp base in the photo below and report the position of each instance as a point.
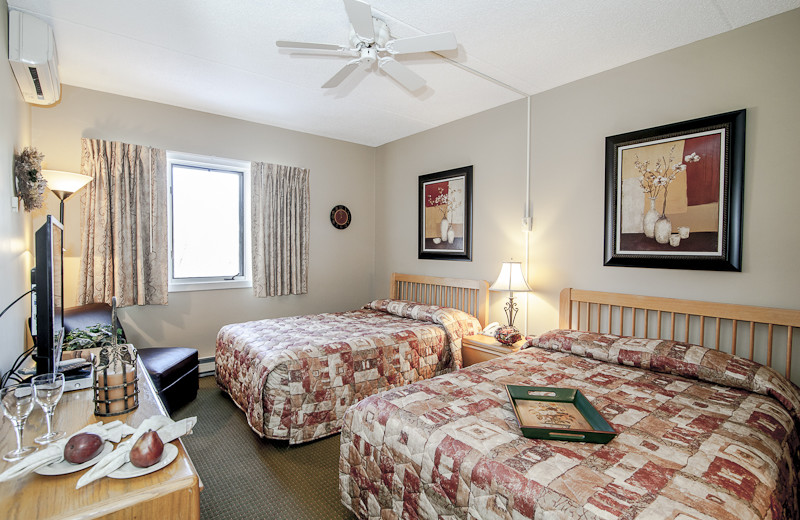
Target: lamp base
(507, 335)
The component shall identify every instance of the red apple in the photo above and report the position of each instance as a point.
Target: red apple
(82, 447)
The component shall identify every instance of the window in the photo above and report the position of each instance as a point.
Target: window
(208, 232)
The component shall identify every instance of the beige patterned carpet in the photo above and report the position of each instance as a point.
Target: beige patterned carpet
(246, 477)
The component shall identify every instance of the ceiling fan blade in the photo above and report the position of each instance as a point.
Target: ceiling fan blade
(309, 45)
(402, 74)
(360, 15)
(341, 75)
(427, 42)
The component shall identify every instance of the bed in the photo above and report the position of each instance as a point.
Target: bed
(701, 432)
(294, 377)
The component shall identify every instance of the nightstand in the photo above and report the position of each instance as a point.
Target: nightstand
(478, 347)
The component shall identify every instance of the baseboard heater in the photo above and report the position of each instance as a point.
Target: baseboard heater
(207, 366)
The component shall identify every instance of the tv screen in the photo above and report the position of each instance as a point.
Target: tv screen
(49, 295)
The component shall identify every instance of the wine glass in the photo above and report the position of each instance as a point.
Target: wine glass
(47, 389)
(17, 403)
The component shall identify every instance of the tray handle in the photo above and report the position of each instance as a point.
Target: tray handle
(567, 436)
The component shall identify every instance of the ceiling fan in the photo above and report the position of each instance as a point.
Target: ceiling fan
(371, 42)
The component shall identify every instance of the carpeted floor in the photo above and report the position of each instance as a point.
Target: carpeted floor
(246, 477)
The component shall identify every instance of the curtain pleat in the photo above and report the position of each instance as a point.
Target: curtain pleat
(124, 249)
(280, 204)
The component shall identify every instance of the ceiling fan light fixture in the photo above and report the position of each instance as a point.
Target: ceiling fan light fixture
(368, 56)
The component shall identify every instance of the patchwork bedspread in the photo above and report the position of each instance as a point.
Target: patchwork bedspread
(295, 377)
(702, 435)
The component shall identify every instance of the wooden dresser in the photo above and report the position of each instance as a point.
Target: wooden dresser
(172, 492)
(478, 347)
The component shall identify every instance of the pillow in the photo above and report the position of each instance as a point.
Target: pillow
(677, 358)
(90, 337)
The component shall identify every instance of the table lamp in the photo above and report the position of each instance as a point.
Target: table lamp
(64, 185)
(512, 280)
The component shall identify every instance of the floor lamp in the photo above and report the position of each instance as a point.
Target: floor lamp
(64, 185)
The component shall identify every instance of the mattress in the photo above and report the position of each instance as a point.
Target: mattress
(294, 377)
(700, 435)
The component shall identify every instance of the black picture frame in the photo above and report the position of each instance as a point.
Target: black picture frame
(696, 169)
(445, 196)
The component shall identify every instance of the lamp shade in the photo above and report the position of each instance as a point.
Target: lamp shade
(64, 184)
(511, 279)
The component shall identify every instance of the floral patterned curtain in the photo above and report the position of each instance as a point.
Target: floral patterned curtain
(280, 205)
(124, 249)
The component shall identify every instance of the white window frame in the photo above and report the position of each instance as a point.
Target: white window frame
(213, 163)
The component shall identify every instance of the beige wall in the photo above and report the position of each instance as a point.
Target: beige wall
(15, 234)
(494, 143)
(754, 67)
(341, 272)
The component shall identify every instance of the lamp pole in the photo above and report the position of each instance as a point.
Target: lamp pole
(511, 309)
(61, 194)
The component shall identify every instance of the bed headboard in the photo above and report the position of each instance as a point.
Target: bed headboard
(762, 334)
(470, 296)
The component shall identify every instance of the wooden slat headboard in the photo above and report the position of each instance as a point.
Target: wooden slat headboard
(470, 296)
(763, 334)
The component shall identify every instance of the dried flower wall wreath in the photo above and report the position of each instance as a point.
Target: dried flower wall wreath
(28, 174)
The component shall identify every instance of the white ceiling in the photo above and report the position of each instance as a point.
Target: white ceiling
(219, 56)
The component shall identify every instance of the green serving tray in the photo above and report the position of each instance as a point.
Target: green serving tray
(573, 420)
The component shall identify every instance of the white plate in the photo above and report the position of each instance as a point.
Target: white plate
(128, 470)
(64, 467)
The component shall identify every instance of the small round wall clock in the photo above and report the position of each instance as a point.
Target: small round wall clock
(340, 217)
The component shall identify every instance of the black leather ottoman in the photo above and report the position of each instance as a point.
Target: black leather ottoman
(174, 371)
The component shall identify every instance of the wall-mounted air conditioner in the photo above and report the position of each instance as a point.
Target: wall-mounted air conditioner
(32, 53)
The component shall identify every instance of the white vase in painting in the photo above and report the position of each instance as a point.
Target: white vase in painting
(650, 218)
(663, 230)
(451, 235)
(445, 226)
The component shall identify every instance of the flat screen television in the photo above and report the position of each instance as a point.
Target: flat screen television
(48, 290)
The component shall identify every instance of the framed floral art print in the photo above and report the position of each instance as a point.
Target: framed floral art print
(445, 215)
(674, 195)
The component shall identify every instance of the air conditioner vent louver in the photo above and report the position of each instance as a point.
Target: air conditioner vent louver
(32, 55)
(36, 83)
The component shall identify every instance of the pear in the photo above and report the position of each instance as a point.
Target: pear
(147, 450)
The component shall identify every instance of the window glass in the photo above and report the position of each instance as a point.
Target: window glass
(206, 227)
(208, 235)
